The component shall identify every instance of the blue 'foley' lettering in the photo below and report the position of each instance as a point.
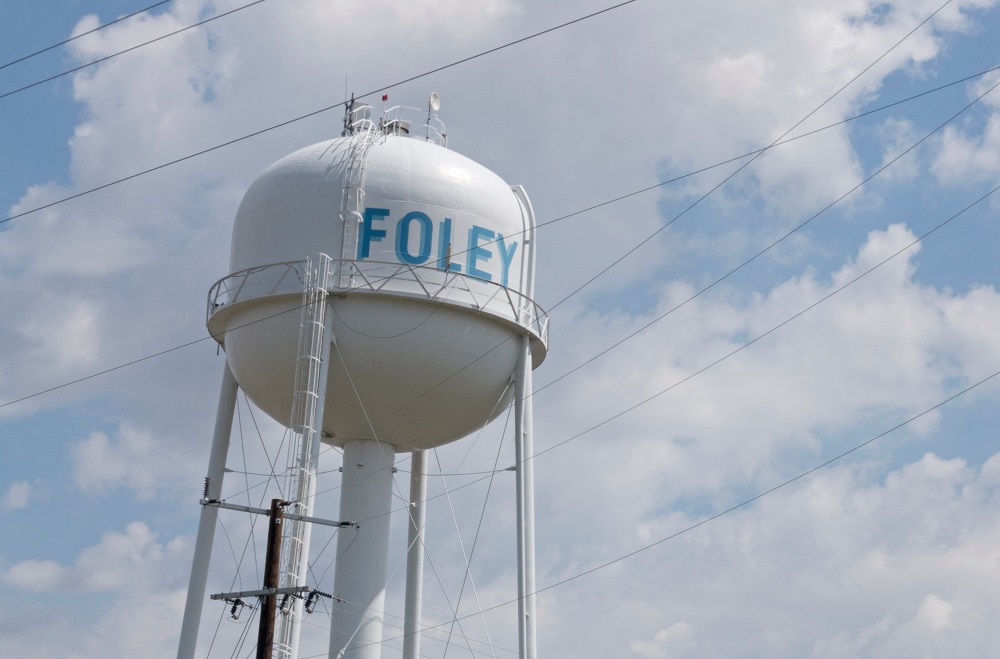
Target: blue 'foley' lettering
(477, 254)
(403, 238)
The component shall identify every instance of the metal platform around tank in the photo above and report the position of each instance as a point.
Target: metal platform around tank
(383, 278)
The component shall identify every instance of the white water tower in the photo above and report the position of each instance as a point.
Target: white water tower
(381, 300)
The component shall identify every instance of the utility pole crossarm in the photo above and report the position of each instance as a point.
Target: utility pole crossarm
(219, 503)
(261, 592)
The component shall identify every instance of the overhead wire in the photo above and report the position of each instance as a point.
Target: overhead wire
(373, 92)
(742, 504)
(782, 142)
(747, 163)
(838, 289)
(803, 474)
(83, 34)
(622, 341)
(821, 211)
(747, 501)
(427, 635)
(702, 197)
(395, 485)
(757, 154)
(540, 224)
(738, 506)
(479, 526)
(775, 328)
(770, 331)
(246, 480)
(769, 147)
(775, 243)
(467, 558)
(127, 50)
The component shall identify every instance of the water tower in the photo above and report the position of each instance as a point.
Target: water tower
(380, 300)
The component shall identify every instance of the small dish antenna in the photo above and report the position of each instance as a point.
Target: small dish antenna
(434, 102)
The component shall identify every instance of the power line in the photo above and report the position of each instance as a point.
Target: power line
(787, 235)
(744, 503)
(770, 331)
(325, 109)
(733, 159)
(83, 34)
(763, 493)
(771, 490)
(705, 521)
(553, 221)
(747, 163)
(755, 340)
(702, 197)
(766, 249)
(620, 259)
(542, 224)
(759, 337)
(127, 50)
(751, 342)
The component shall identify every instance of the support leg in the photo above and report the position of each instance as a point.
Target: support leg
(206, 526)
(415, 556)
(524, 437)
(362, 553)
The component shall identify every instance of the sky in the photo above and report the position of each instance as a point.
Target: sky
(820, 319)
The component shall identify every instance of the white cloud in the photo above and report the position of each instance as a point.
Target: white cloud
(35, 575)
(935, 613)
(112, 564)
(838, 565)
(669, 642)
(140, 574)
(17, 496)
(69, 334)
(876, 353)
(971, 154)
(132, 459)
(855, 561)
(968, 159)
(898, 135)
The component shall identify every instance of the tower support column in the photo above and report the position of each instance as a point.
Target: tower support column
(525, 453)
(363, 552)
(206, 526)
(415, 556)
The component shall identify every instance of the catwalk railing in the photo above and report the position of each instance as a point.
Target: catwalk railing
(385, 278)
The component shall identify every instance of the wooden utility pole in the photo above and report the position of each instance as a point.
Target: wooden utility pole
(272, 573)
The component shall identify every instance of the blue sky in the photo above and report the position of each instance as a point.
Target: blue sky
(888, 552)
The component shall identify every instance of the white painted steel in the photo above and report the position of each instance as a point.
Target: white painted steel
(427, 374)
(525, 455)
(431, 349)
(383, 278)
(291, 209)
(206, 525)
(362, 553)
(431, 304)
(525, 452)
(415, 556)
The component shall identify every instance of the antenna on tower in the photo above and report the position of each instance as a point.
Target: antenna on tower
(433, 105)
(348, 111)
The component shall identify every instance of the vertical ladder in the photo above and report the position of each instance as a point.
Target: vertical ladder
(311, 371)
(352, 205)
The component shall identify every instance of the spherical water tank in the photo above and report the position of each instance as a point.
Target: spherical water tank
(430, 293)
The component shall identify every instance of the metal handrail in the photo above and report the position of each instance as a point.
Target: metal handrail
(384, 278)
(416, 122)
